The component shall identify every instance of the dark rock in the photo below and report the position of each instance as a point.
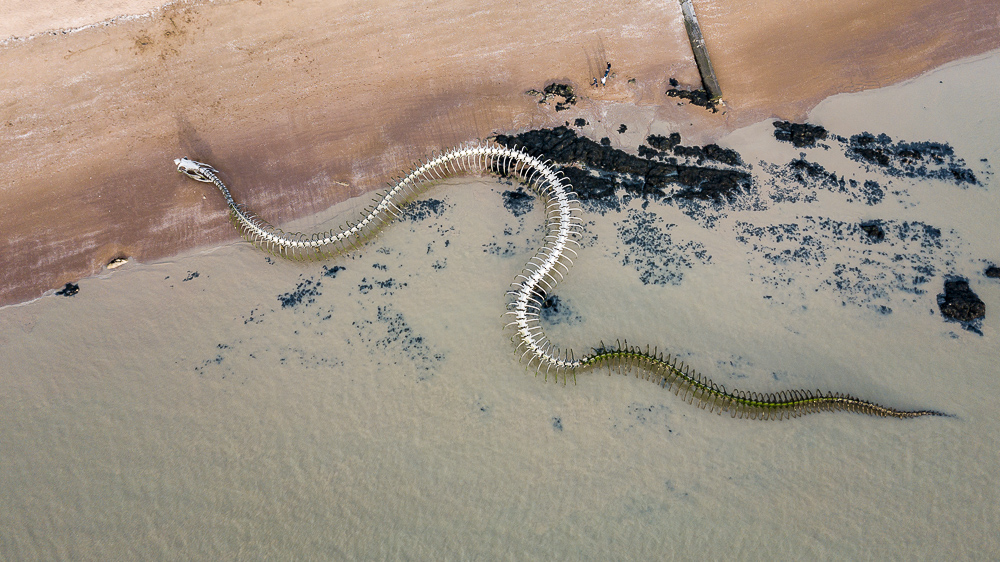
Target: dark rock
(960, 304)
(332, 271)
(874, 230)
(622, 128)
(589, 186)
(69, 290)
(605, 141)
(646, 152)
(565, 91)
(674, 83)
(799, 134)
(660, 142)
(712, 152)
(694, 97)
(607, 168)
(580, 122)
(992, 271)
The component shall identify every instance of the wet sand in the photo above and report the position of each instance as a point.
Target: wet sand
(303, 105)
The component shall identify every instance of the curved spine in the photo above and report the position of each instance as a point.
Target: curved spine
(540, 275)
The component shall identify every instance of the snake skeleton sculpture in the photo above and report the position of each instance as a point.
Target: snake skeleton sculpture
(563, 226)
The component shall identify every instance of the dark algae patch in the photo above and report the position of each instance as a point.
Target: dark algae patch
(556, 311)
(801, 181)
(518, 202)
(910, 159)
(424, 209)
(960, 304)
(649, 248)
(305, 292)
(332, 271)
(873, 264)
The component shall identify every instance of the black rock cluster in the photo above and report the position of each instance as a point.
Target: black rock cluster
(960, 304)
(69, 290)
(597, 169)
(694, 97)
(799, 134)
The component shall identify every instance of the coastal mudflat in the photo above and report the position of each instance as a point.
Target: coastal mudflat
(305, 104)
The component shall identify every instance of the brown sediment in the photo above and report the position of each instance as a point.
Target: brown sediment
(299, 106)
(780, 58)
(304, 106)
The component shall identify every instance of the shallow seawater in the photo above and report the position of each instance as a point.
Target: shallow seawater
(372, 406)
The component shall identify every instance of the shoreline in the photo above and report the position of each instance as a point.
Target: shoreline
(288, 119)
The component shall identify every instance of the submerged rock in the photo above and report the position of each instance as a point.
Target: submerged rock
(874, 230)
(695, 97)
(960, 304)
(564, 91)
(800, 134)
(69, 290)
(992, 271)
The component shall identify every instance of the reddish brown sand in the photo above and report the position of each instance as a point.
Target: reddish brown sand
(303, 106)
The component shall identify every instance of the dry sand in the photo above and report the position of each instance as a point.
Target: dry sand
(304, 104)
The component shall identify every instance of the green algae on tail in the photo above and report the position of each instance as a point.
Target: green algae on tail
(699, 390)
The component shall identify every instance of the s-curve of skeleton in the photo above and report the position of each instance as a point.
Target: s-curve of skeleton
(550, 263)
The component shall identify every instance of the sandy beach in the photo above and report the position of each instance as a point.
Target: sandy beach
(305, 104)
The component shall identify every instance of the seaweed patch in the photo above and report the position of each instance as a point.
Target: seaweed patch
(865, 263)
(909, 159)
(650, 249)
(305, 292)
(424, 209)
(557, 311)
(390, 336)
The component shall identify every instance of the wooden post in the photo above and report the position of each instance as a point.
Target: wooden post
(700, 52)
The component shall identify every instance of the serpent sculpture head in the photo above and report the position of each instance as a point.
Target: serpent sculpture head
(193, 169)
